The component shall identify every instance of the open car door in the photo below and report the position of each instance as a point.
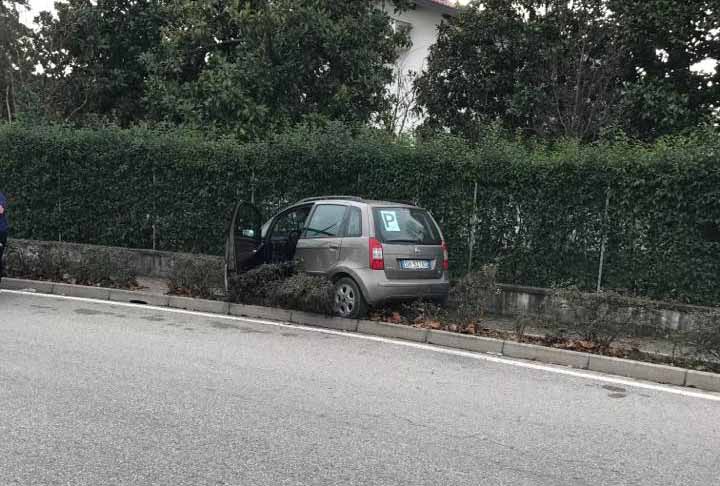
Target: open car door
(243, 239)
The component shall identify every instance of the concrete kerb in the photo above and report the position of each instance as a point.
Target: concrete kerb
(637, 369)
(604, 364)
(199, 305)
(466, 342)
(397, 331)
(703, 380)
(29, 285)
(318, 320)
(546, 355)
(117, 295)
(82, 291)
(257, 312)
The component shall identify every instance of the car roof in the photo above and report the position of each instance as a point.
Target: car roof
(356, 200)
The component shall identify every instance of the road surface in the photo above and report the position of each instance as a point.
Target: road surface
(99, 394)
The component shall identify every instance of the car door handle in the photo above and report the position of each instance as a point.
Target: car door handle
(334, 247)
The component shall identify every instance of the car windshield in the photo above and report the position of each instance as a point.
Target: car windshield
(405, 226)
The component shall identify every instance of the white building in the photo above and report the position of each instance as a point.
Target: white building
(422, 24)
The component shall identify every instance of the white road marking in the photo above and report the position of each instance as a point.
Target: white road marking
(428, 347)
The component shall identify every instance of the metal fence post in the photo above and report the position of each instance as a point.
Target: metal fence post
(604, 240)
(473, 225)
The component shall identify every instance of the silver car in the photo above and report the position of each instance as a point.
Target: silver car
(373, 251)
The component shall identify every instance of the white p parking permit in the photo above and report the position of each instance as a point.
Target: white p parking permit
(390, 221)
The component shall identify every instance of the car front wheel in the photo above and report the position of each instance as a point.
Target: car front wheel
(349, 301)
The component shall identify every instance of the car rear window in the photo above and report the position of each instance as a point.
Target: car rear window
(405, 225)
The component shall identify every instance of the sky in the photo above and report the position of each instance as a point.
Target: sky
(37, 6)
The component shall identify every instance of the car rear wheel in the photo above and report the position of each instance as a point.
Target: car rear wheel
(349, 301)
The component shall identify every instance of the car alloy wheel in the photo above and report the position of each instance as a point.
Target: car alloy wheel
(345, 299)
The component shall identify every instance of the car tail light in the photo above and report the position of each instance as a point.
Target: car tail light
(377, 261)
(446, 261)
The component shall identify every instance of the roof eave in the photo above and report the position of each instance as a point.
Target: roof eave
(436, 5)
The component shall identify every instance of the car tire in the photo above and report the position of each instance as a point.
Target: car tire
(441, 301)
(349, 300)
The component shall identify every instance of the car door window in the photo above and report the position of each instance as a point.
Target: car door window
(326, 221)
(285, 233)
(290, 222)
(354, 224)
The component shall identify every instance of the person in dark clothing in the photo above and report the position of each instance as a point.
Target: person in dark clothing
(4, 228)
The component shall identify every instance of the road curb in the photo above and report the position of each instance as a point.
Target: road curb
(638, 369)
(81, 291)
(603, 364)
(319, 320)
(396, 331)
(703, 380)
(466, 342)
(117, 295)
(255, 311)
(545, 354)
(31, 285)
(199, 305)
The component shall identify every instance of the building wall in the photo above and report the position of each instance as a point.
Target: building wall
(424, 21)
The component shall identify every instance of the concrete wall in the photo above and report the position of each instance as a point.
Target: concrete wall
(512, 300)
(424, 19)
(517, 300)
(145, 263)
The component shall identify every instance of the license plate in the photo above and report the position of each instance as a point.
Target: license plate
(415, 264)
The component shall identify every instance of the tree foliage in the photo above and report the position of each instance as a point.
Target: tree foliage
(665, 40)
(15, 58)
(91, 58)
(254, 66)
(557, 68)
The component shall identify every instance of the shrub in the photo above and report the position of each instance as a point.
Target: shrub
(304, 292)
(37, 263)
(254, 286)
(21, 263)
(704, 336)
(599, 317)
(92, 267)
(471, 296)
(99, 268)
(423, 312)
(539, 210)
(197, 277)
(280, 285)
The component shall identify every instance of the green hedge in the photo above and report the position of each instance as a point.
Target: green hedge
(539, 208)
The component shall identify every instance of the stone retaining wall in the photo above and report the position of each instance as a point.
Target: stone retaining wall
(513, 300)
(144, 263)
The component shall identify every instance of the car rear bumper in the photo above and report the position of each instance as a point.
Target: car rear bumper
(378, 288)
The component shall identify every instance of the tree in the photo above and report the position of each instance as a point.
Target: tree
(91, 57)
(15, 58)
(254, 66)
(546, 68)
(666, 39)
(555, 68)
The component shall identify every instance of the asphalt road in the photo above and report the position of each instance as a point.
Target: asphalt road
(97, 394)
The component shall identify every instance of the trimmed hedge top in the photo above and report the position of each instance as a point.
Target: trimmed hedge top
(539, 211)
